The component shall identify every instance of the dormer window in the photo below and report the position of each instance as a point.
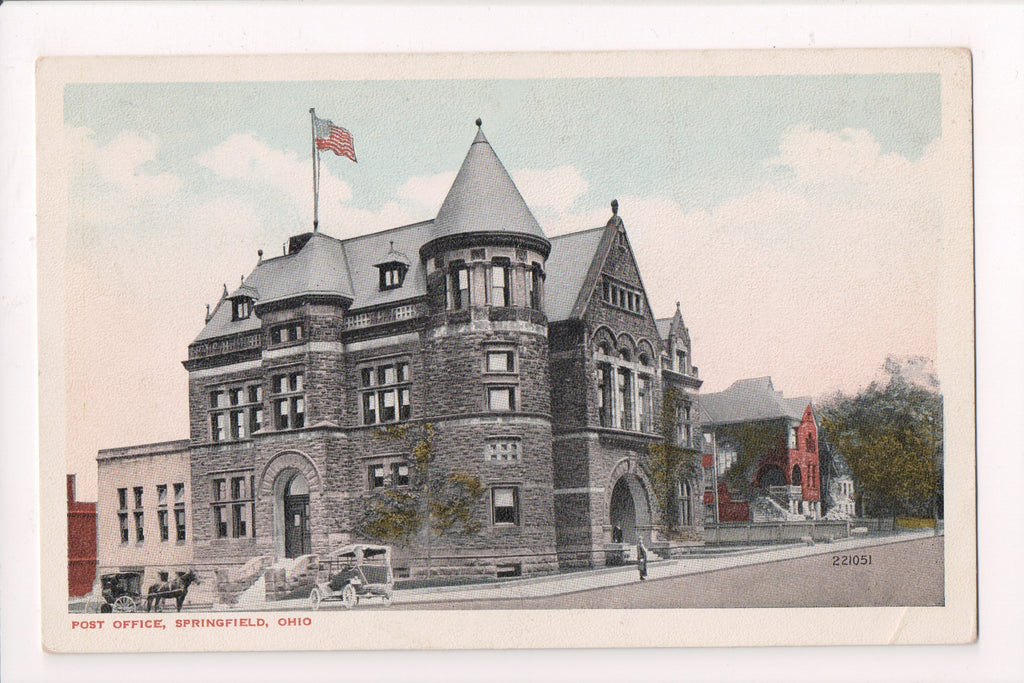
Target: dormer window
(241, 308)
(392, 269)
(392, 275)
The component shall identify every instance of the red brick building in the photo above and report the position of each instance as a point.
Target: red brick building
(81, 543)
(537, 360)
(765, 445)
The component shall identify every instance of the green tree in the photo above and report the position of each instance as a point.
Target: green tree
(435, 504)
(669, 463)
(891, 437)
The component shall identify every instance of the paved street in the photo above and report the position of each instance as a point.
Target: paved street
(907, 572)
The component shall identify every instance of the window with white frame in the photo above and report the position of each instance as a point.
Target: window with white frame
(499, 276)
(233, 506)
(501, 399)
(622, 296)
(288, 401)
(503, 450)
(287, 333)
(236, 411)
(459, 287)
(392, 471)
(505, 505)
(386, 391)
(501, 360)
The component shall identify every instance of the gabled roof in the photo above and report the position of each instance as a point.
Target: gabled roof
(483, 198)
(567, 267)
(750, 400)
(664, 327)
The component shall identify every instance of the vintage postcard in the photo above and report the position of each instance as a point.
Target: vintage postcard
(582, 350)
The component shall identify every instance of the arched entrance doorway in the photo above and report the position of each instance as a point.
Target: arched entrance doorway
(293, 502)
(796, 479)
(629, 508)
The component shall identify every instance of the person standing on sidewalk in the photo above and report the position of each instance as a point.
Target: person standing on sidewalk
(641, 558)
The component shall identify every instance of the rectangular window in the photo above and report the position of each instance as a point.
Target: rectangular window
(165, 532)
(793, 436)
(161, 494)
(289, 411)
(218, 399)
(239, 520)
(218, 426)
(625, 399)
(505, 505)
(501, 361)
(501, 284)
(535, 280)
(376, 479)
(232, 508)
(237, 424)
(646, 407)
(399, 474)
(284, 334)
(255, 393)
(122, 521)
(681, 362)
(392, 401)
(460, 287)
(122, 499)
(501, 399)
(604, 394)
(138, 497)
(179, 523)
(255, 419)
(220, 525)
(179, 511)
(503, 450)
(140, 534)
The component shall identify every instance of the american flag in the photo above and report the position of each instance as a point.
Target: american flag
(334, 138)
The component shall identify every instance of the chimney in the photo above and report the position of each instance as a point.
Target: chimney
(71, 488)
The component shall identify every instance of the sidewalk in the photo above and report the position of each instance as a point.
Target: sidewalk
(560, 584)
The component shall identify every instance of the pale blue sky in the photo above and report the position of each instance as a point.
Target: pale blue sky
(698, 140)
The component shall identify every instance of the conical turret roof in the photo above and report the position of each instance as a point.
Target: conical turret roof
(483, 198)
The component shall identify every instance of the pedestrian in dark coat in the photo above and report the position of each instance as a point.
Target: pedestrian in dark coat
(641, 559)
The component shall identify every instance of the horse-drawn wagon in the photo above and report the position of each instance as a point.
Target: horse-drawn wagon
(352, 573)
(118, 592)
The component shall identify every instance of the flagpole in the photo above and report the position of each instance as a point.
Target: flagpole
(316, 172)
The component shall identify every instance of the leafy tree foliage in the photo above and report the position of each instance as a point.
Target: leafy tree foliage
(668, 463)
(891, 437)
(436, 503)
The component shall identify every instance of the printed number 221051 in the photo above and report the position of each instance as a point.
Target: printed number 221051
(850, 560)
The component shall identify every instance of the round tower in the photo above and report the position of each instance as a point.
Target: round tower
(486, 358)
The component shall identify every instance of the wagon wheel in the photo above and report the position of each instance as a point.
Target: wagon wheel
(349, 597)
(125, 603)
(388, 597)
(315, 598)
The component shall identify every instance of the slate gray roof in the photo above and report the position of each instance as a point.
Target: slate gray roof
(483, 198)
(750, 400)
(566, 269)
(664, 327)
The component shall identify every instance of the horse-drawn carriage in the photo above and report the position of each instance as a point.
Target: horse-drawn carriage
(354, 572)
(120, 592)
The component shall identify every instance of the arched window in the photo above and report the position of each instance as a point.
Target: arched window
(810, 443)
(685, 509)
(796, 480)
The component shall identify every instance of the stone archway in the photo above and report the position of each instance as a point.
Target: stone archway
(290, 484)
(629, 508)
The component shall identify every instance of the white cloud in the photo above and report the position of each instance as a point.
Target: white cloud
(551, 188)
(245, 158)
(427, 192)
(119, 162)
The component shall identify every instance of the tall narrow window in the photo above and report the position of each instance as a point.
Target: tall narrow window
(289, 404)
(646, 407)
(460, 286)
(535, 287)
(140, 533)
(122, 513)
(162, 512)
(232, 507)
(625, 399)
(604, 394)
(501, 283)
(179, 511)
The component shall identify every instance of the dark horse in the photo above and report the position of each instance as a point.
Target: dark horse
(176, 588)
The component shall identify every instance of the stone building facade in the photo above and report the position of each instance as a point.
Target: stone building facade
(536, 361)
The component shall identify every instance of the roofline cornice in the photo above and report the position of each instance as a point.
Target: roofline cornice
(484, 239)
